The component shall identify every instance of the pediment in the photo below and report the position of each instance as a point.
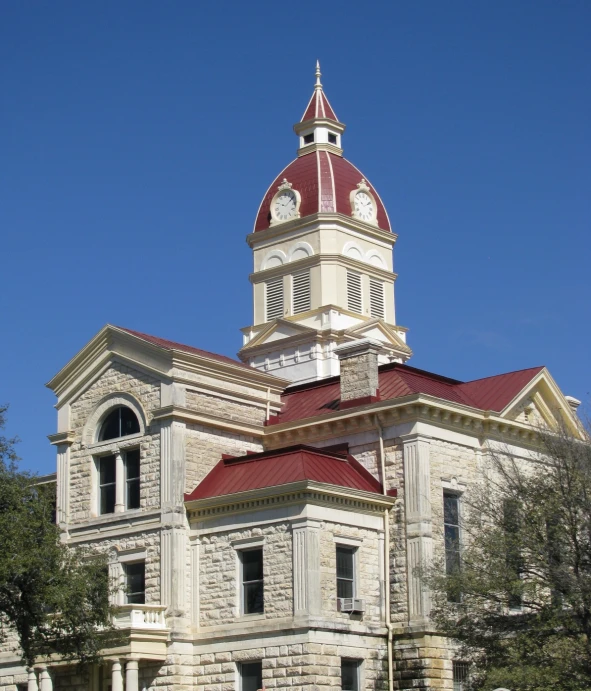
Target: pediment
(279, 330)
(380, 331)
(542, 404)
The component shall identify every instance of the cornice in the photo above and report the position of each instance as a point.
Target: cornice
(311, 123)
(60, 438)
(179, 413)
(412, 408)
(293, 492)
(320, 146)
(305, 223)
(323, 258)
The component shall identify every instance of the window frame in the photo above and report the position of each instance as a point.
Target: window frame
(113, 451)
(354, 551)
(460, 675)
(242, 583)
(453, 494)
(241, 666)
(101, 486)
(126, 566)
(278, 284)
(356, 664)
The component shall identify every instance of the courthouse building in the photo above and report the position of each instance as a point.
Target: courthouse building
(266, 516)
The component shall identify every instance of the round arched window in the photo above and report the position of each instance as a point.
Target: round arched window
(120, 422)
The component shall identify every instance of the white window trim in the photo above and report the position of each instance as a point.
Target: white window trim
(244, 545)
(112, 450)
(354, 544)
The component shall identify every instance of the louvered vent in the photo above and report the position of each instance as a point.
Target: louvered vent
(354, 302)
(274, 298)
(376, 298)
(301, 292)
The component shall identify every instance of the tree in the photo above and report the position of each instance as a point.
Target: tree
(55, 599)
(519, 605)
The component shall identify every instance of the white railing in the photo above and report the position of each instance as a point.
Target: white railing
(140, 617)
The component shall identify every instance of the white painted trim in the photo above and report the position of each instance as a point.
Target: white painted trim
(112, 400)
(274, 254)
(305, 246)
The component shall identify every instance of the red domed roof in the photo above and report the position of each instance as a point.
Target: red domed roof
(325, 182)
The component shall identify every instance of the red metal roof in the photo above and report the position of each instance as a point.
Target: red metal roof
(397, 380)
(325, 182)
(171, 345)
(319, 107)
(281, 467)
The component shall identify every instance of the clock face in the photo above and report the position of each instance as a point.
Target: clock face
(284, 206)
(363, 206)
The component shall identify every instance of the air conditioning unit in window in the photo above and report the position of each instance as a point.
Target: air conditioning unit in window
(351, 604)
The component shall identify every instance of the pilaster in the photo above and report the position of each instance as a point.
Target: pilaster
(419, 539)
(63, 484)
(306, 567)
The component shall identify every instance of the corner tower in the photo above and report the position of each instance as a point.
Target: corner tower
(323, 273)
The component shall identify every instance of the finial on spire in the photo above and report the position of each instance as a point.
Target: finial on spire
(318, 75)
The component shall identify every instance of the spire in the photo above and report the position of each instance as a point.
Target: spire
(318, 75)
(319, 107)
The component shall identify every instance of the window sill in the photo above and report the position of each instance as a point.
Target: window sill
(115, 444)
(251, 617)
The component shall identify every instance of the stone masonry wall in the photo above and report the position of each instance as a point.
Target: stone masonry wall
(218, 573)
(204, 448)
(368, 577)
(297, 666)
(227, 409)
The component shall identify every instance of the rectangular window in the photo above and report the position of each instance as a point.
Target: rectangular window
(252, 581)
(451, 521)
(513, 558)
(460, 675)
(350, 675)
(309, 138)
(132, 479)
(274, 298)
(332, 138)
(345, 571)
(251, 676)
(376, 298)
(354, 301)
(106, 468)
(135, 582)
(301, 292)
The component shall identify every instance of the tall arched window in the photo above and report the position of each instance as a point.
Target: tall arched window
(120, 422)
(118, 473)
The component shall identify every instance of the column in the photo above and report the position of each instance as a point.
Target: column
(195, 546)
(172, 465)
(32, 680)
(116, 676)
(63, 484)
(119, 483)
(306, 567)
(131, 676)
(45, 682)
(419, 540)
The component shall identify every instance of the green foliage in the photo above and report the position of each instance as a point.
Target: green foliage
(524, 587)
(56, 599)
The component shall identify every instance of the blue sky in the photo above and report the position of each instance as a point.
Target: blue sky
(138, 138)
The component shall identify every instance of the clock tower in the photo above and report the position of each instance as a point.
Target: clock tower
(323, 273)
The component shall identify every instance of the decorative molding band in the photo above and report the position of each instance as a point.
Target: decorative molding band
(182, 414)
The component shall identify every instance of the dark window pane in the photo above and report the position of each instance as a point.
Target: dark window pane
(133, 494)
(308, 138)
(108, 499)
(349, 675)
(452, 537)
(107, 470)
(252, 564)
(344, 588)
(254, 601)
(136, 582)
(332, 138)
(450, 509)
(344, 562)
(119, 423)
(132, 464)
(252, 676)
(129, 422)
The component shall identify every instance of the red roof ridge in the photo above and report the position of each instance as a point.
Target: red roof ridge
(539, 368)
(285, 450)
(174, 345)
